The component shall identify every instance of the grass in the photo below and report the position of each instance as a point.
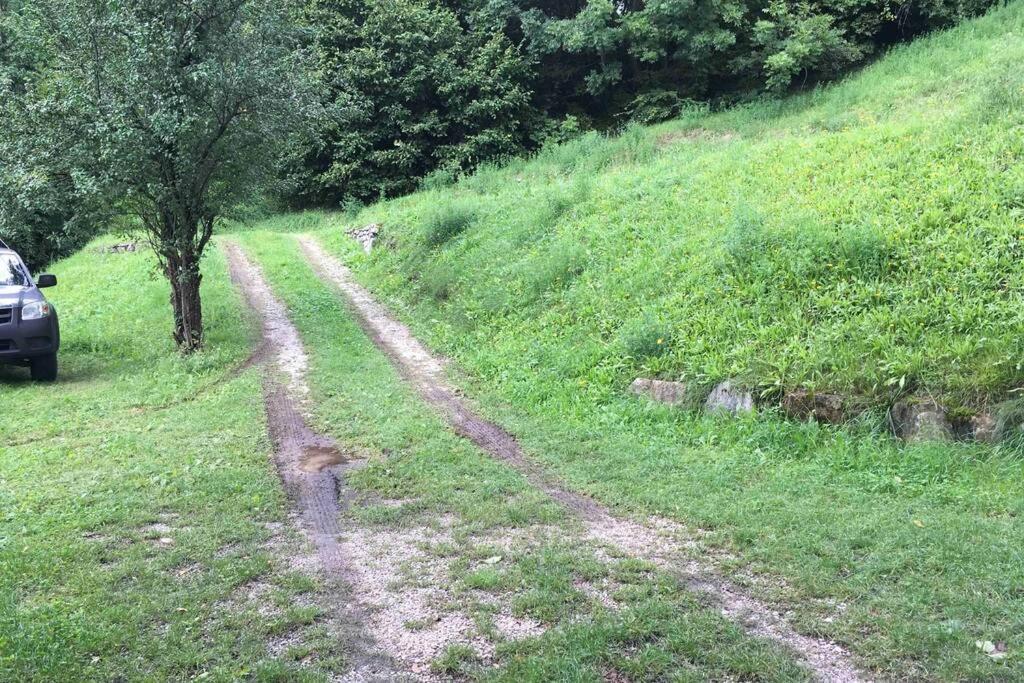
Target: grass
(136, 497)
(414, 457)
(848, 239)
(862, 238)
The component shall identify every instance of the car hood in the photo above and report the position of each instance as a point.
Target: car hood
(18, 296)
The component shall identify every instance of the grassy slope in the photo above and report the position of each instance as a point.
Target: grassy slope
(851, 238)
(844, 239)
(132, 445)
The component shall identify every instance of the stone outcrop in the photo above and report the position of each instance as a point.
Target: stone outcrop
(914, 419)
(669, 393)
(366, 235)
(730, 398)
(917, 420)
(126, 248)
(983, 428)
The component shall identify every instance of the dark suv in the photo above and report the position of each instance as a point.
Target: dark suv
(29, 333)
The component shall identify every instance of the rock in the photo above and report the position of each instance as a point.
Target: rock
(802, 404)
(729, 398)
(125, 248)
(671, 393)
(984, 428)
(365, 235)
(917, 420)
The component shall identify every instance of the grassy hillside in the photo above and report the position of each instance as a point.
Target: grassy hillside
(866, 237)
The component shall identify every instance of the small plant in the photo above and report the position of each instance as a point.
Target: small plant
(456, 659)
(483, 579)
(554, 269)
(647, 338)
(437, 281)
(440, 178)
(746, 241)
(447, 222)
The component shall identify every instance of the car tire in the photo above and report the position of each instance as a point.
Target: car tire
(44, 368)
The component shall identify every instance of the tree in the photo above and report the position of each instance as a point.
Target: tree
(174, 109)
(411, 88)
(41, 199)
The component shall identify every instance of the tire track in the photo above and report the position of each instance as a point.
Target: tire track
(663, 543)
(309, 464)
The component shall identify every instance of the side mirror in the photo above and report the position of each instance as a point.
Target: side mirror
(46, 280)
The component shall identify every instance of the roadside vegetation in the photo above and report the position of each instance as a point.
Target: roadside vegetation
(859, 239)
(864, 239)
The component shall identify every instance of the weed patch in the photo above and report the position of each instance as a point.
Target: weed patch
(447, 221)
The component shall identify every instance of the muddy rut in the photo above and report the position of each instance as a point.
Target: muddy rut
(661, 542)
(310, 465)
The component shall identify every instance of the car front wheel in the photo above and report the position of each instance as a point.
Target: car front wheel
(44, 368)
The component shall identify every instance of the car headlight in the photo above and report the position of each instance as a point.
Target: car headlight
(35, 310)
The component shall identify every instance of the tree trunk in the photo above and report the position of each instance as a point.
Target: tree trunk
(183, 273)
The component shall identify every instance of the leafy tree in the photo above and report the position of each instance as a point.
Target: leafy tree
(41, 199)
(411, 88)
(174, 108)
(599, 56)
(420, 85)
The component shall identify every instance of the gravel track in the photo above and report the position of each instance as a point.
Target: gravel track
(310, 465)
(661, 542)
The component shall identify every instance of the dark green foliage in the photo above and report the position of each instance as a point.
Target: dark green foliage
(44, 205)
(411, 90)
(598, 56)
(45, 223)
(421, 87)
(657, 105)
(48, 209)
(170, 112)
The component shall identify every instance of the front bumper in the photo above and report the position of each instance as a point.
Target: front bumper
(24, 339)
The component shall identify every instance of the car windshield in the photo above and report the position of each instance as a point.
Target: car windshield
(11, 272)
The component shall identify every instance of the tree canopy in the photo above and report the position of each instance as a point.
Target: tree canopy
(170, 112)
(174, 112)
